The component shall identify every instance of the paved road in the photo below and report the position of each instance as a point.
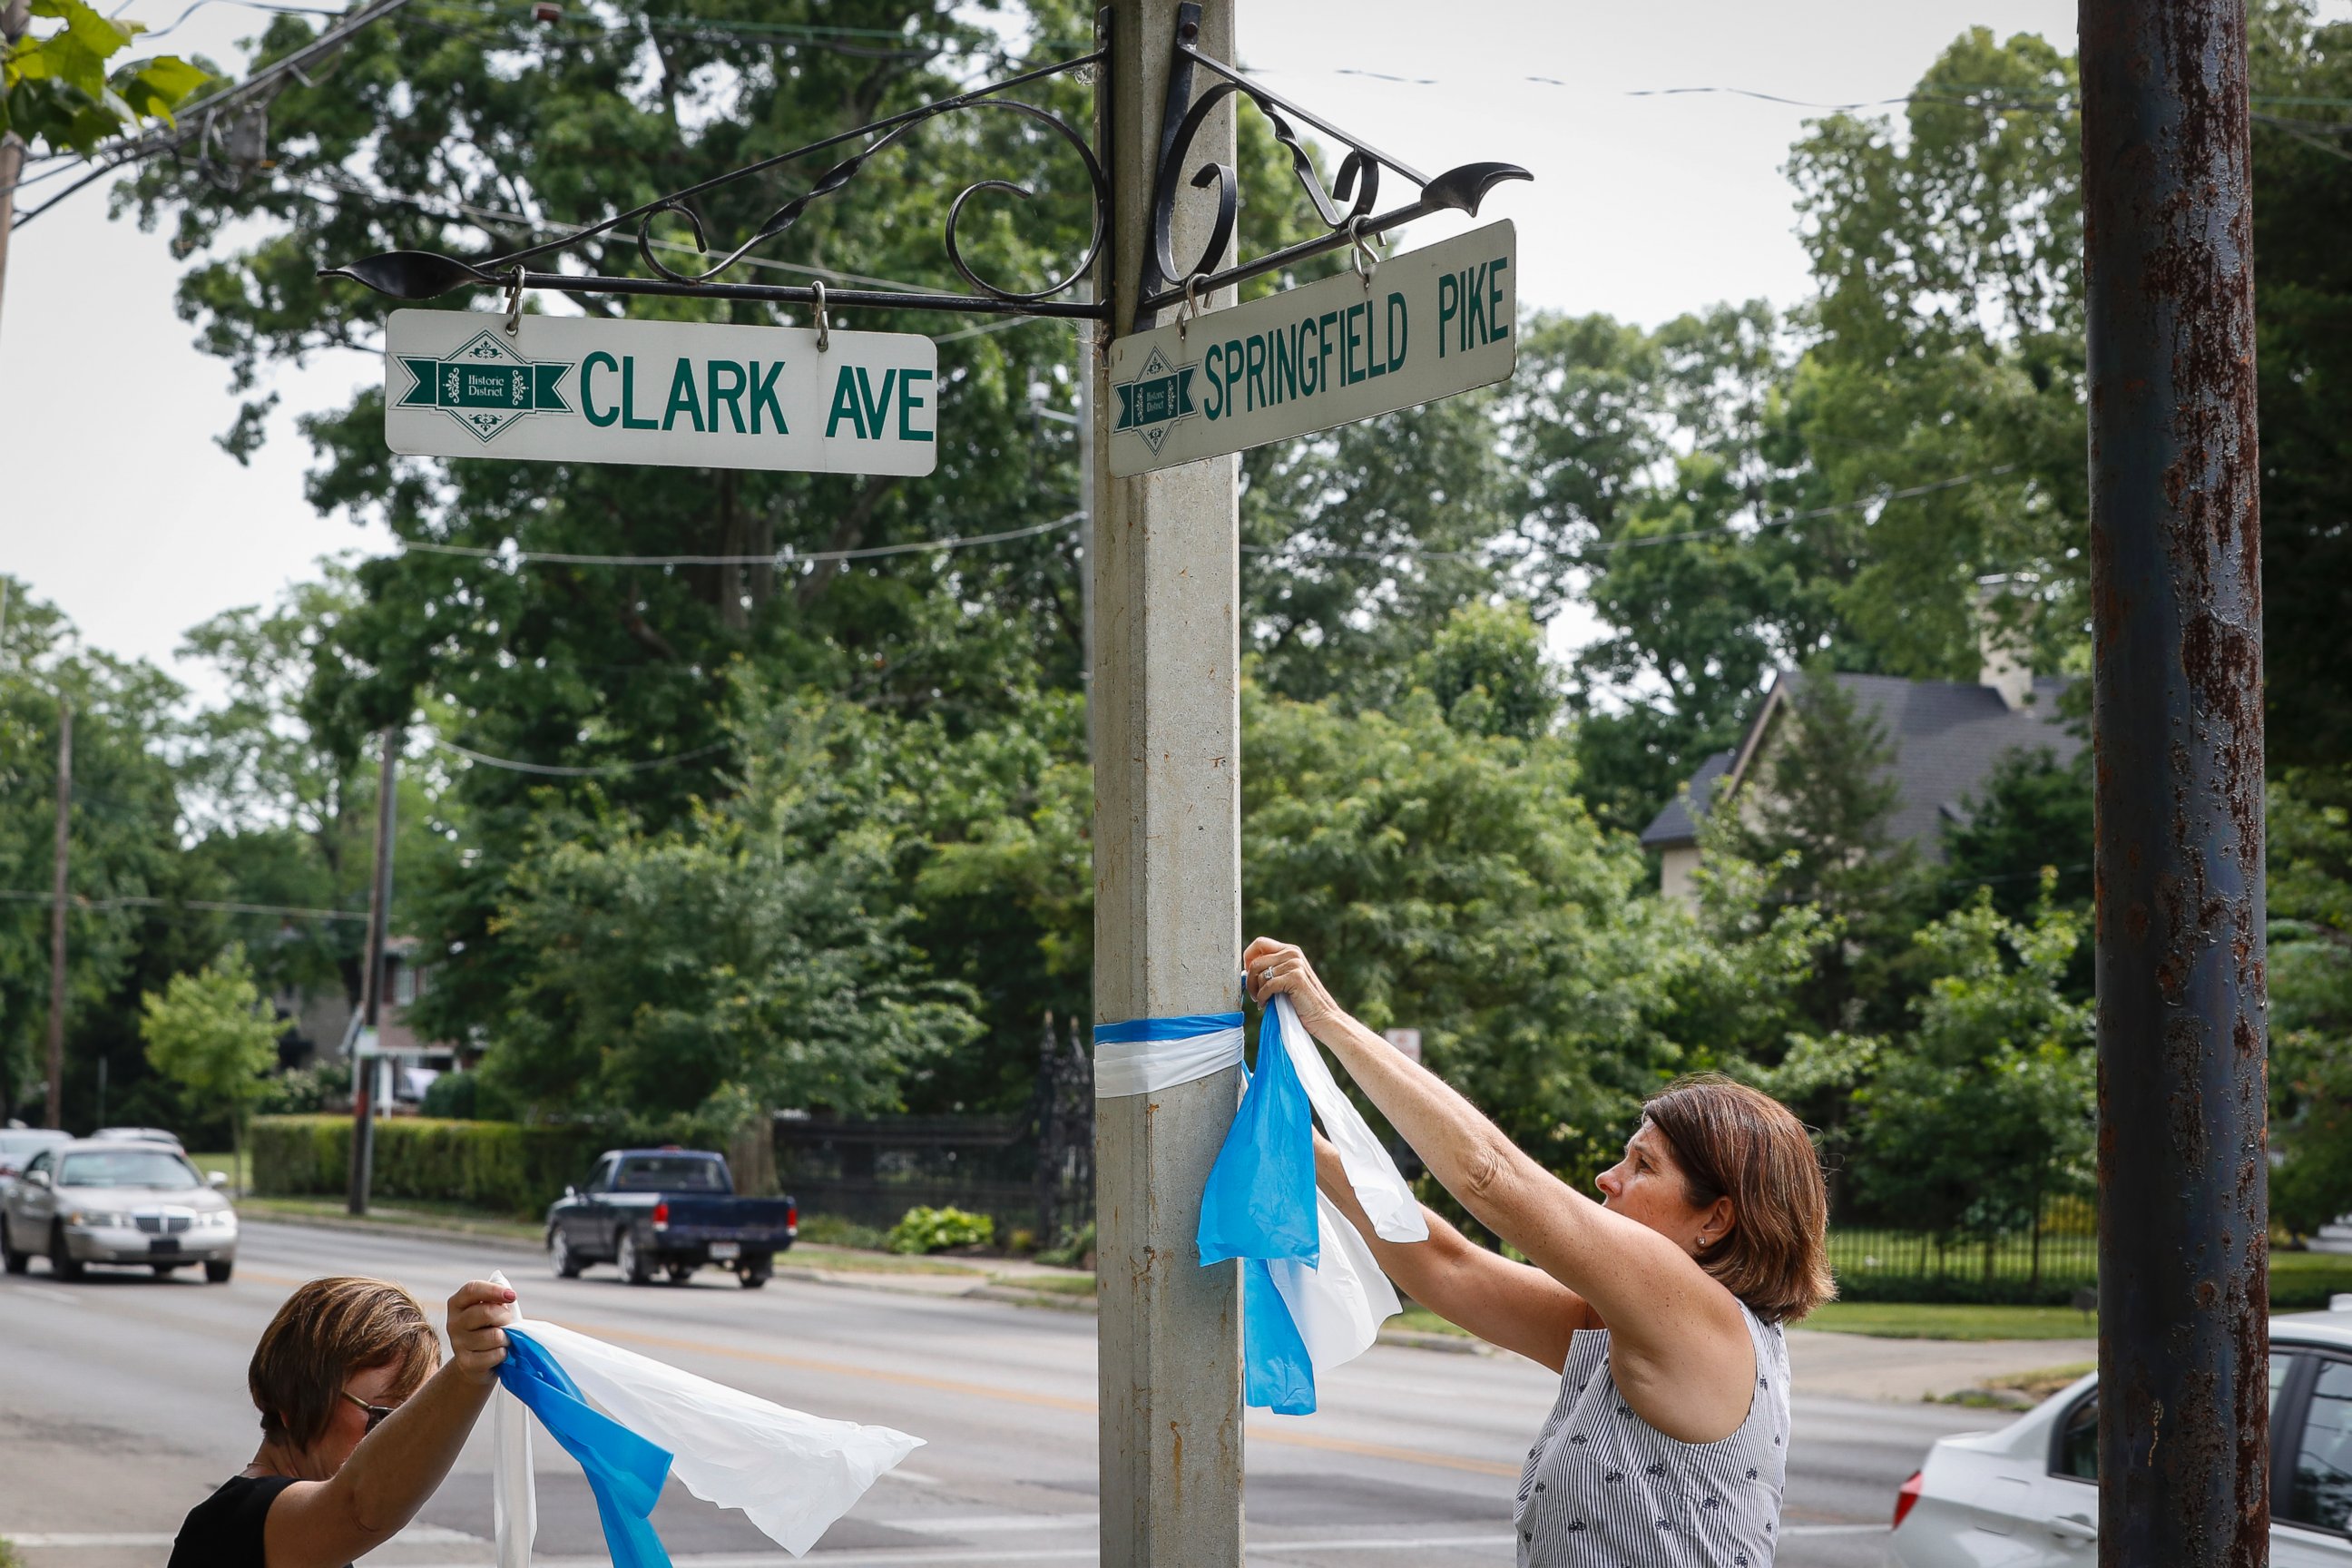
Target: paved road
(123, 1401)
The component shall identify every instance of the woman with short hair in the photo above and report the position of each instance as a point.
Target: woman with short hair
(1661, 1307)
(358, 1426)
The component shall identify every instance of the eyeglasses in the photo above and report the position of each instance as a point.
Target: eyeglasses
(375, 1413)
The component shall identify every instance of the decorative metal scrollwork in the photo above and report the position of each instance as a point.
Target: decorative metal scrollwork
(1357, 182)
(1346, 208)
(422, 275)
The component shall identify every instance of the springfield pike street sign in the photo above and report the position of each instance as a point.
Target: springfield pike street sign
(1429, 323)
(567, 389)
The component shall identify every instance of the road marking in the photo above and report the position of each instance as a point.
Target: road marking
(917, 1477)
(44, 1293)
(993, 1524)
(915, 1557)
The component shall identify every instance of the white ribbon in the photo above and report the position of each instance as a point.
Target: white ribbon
(1380, 1186)
(1152, 1054)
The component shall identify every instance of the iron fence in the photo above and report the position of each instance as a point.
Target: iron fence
(2049, 1263)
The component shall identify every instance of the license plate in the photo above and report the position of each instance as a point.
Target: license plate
(163, 1244)
(723, 1250)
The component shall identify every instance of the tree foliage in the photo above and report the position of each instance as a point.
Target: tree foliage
(60, 94)
(215, 1035)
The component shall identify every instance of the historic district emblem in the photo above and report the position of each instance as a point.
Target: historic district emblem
(486, 386)
(1157, 397)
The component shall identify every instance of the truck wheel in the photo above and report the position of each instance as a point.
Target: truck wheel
(62, 1262)
(756, 1269)
(635, 1266)
(679, 1273)
(559, 1253)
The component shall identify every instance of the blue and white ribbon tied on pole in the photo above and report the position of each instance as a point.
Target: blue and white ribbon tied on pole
(1313, 1296)
(1148, 1054)
(631, 1421)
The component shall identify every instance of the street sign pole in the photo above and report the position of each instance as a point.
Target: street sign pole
(1167, 841)
(369, 1080)
(2177, 718)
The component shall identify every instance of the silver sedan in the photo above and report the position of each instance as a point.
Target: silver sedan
(123, 1203)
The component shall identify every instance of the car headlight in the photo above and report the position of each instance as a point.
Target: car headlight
(217, 1219)
(102, 1219)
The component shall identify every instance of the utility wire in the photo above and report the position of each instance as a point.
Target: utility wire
(780, 559)
(607, 770)
(199, 114)
(217, 906)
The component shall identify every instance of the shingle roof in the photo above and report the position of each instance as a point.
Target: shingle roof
(1677, 824)
(1946, 737)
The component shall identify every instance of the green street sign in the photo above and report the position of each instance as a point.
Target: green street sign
(1424, 325)
(574, 389)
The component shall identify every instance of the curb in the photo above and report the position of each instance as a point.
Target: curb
(356, 1225)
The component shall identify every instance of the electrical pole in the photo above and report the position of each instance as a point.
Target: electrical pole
(1166, 560)
(367, 1064)
(2176, 704)
(53, 1112)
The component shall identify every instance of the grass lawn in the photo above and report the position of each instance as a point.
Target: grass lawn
(1949, 1321)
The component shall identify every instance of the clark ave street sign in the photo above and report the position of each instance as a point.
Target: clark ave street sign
(1422, 326)
(567, 389)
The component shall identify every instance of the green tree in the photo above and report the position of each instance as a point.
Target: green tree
(756, 954)
(216, 1036)
(1986, 1109)
(1816, 820)
(60, 94)
(2031, 814)
(2310, 970)
(1452, 881)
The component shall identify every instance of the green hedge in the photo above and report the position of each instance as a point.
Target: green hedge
(495, 1165)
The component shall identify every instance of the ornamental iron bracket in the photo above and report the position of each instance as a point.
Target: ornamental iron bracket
(413, 275)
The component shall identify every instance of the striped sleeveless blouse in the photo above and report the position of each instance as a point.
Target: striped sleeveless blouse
(1605, 1488)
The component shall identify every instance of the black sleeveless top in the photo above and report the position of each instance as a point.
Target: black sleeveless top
(225, 1530)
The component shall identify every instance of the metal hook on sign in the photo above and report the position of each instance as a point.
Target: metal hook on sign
(1192, 306)
(823, 320)
(514, 303)
(1365, 260)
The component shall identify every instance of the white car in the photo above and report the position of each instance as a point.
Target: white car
(2028, 1495)
(127, 1204)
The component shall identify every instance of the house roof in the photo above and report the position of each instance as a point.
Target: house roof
(1677, 824)
(1946, 737)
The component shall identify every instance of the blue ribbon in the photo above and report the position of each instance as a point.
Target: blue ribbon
(1258, 1205)
(1139, 1031)
(625, 1471)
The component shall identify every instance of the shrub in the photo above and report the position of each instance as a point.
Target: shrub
(936, 1230)
(1077, 1246)
(496, 1166)
(834, 1230)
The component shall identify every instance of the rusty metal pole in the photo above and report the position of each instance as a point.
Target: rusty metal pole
(2184, 1203)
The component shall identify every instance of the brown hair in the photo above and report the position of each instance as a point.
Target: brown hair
(328, 1330)
(1732, 1141)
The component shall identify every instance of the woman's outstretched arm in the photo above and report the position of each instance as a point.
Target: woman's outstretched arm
(1513, 1305)
(400, 1465)
(1678, 1345)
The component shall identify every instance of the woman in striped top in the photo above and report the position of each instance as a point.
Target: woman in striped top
(1661, 1307)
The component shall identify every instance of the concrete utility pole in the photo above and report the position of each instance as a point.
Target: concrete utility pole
(53, 1109)
(367, 1072)
(1167, 736)
(2176, 593)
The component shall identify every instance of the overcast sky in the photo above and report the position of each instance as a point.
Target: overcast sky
(118, 506)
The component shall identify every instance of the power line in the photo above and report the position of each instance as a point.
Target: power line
(218, 906)
(780, 559)
(607, 770)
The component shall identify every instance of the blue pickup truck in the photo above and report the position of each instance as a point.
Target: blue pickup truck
(671, 1211)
